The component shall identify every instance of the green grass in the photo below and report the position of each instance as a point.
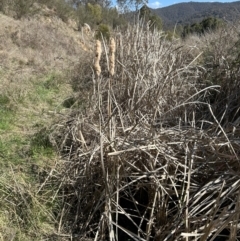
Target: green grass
(6, 119)
(23, 129)
(26, 156)
(7, 115)
(11, 148)
(23, 213)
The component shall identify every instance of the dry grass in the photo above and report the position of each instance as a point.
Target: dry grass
(37, 56)
(140, 163)
(40, 43)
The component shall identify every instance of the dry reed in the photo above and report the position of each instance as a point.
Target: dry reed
(157, 172)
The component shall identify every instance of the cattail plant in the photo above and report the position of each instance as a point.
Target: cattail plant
(98, 57)
(112, 56)
(153, 169)
(112, 50)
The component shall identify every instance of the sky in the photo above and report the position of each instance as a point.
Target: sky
(165, 3)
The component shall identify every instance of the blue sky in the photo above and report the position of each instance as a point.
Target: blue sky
(165, 3)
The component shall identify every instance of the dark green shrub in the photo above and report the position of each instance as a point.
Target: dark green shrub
(155, 22)
(207, 24)
(22, 7)
(63, 9)
(103, 31)
(2, 5)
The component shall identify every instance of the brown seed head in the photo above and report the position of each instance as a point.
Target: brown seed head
(112, 56)
(98, 52)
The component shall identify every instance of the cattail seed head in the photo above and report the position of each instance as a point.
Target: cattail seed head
(112, 56)
(98, 49)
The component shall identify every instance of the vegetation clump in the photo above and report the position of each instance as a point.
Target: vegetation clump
(135, 138)
(150, 18)
(208, 24)
(146, 161)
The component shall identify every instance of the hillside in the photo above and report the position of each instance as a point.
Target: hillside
(38, 55)
(187, 13)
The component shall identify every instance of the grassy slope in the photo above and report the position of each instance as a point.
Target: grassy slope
(36, 58)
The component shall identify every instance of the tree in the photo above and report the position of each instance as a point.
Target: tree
(210, 23)
(155, 22)
(207, 24)
(127, 5)
(151, 19)
(95, 11)
(102, 3)
(144, 12)
(90, 14)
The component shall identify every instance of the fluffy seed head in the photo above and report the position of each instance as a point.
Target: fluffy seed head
(98, 52)
(112, 56)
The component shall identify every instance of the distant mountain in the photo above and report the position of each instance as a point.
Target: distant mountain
(191, 12)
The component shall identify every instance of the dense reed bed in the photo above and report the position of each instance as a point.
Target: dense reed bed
(149, 157)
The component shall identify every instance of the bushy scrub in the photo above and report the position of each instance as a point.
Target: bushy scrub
(103, 31)
(209, 24)
(220, 61)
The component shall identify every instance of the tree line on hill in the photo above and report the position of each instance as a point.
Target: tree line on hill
(193, 12)
(104, 17)
(99, 14)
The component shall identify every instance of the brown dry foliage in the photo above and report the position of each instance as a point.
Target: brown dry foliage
(149, 168)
